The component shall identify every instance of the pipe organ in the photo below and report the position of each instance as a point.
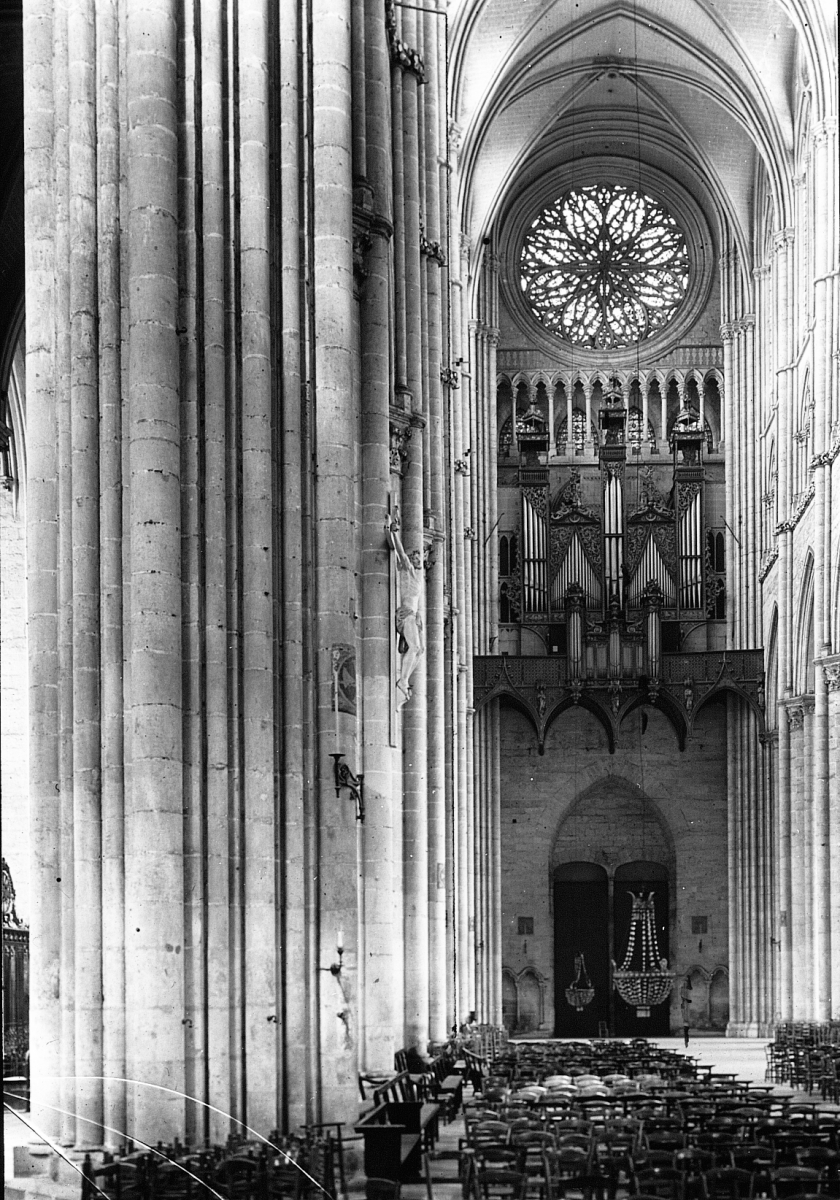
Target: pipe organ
(613, 540)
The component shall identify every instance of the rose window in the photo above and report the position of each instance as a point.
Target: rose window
(604, 267)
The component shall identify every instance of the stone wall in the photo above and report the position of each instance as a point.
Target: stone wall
(647, 800)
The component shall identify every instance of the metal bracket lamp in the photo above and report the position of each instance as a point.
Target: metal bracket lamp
(335, 968)
(344, 777)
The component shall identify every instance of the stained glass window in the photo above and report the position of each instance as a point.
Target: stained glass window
(604, 267)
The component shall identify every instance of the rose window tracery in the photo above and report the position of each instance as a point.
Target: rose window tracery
(604, 266)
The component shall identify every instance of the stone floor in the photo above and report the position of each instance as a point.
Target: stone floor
(743, 1056)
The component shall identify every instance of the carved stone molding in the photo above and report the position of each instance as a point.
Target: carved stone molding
(430, 249)
(800, 503)
(783, 239)
(795, 716)
(403, 55)
(831, 670)
(344, 678)
(400, 436)
(823, 130)
(768, 558)
(542, 686)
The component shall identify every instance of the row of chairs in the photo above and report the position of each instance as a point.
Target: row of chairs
(583, 1136)
(809, 1068)
(287, 1168)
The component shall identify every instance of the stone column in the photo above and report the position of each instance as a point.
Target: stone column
(434, 96)
(154, 803)
(727, 336)
(63, 373)
(382, 911)
(799, 933)
(751, 488)
(84, 525)
(259, 664)
(831, 670)
(42, 563)
(111, 529)
(335, 434)
(736, 1002)
(785, 868)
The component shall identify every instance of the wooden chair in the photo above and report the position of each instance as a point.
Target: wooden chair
(500, 1184)
(659, 1181)
(729, 1183)
(789, 1181)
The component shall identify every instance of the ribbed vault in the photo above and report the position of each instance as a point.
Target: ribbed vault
(701, 90)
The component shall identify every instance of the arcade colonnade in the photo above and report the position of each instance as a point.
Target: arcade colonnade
(247, 340)
(264, 333)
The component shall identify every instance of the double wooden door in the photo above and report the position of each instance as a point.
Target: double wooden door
(592, 917)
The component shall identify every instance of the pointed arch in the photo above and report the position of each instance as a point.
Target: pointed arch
(590, 706)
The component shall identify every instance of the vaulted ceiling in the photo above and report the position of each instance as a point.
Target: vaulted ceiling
(702, 91)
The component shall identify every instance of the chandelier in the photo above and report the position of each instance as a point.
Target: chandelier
(643, 979)
(580, 992)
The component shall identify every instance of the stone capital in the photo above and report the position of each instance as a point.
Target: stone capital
(795, 715)
(782, 239)
(823, 130)
(831, 670)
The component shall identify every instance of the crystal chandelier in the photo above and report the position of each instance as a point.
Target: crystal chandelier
(643, 979)
(580, 992)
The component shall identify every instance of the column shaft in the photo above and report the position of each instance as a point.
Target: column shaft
(42, 562)
(154, 804)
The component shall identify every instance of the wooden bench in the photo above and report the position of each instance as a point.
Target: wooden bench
(397, 1130)
(438, 1081)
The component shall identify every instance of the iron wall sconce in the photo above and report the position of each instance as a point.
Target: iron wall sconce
(344, 777)
(335, 968)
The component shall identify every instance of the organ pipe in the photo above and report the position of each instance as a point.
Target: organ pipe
(614, 537)
(576, 569)
(652, 600)
(652, 568)
(575, 602)
(534, 558)
(691, 554)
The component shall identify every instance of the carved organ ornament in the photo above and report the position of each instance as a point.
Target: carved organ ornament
(603, 556)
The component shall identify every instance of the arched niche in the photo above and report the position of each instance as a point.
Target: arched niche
(531, 1002)
(509, 999)
(719, 999)
(697, 992)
